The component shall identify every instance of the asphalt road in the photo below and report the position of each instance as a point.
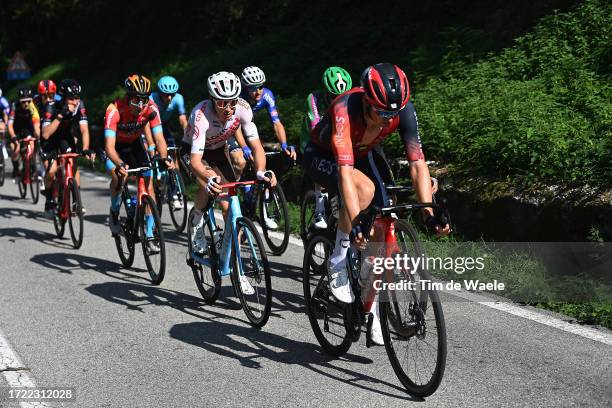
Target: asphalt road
(78, 319)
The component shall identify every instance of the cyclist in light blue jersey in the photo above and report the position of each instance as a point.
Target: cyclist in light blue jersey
(171, 104)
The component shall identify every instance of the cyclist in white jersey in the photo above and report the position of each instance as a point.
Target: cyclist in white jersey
(211, 123)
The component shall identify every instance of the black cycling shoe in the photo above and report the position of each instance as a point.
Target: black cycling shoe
(49, 209)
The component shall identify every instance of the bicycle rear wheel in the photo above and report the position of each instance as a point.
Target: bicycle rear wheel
(23, 188)
(34, 180)
(307, 210)
(413, 324)
(207, 277)
(252, 264)
(325, 312)
(178, 215)
(75, 208)
(274, 207)
(125, 240)
(153, 246)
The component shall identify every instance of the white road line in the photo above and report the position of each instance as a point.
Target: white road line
(15, 373)
(583, 331)
(591, 333)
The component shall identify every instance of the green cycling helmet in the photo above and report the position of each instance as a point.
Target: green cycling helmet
(337, 80)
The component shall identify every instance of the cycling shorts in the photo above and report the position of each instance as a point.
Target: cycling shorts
(133, 154)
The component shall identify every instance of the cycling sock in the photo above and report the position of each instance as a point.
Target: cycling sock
(115, 203)
(320, 200)
(340, 249)
(197, 217)
(248, 194)
(150, 224)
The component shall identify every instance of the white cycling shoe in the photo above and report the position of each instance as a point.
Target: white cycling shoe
(319, 221)
(245, 286)
(199, 243)
(376, 331)
(176, 203)
(339, 283)
(270, 223)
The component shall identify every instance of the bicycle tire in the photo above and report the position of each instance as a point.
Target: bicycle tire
(317, 307)
(308, 202)
(157, 276)
(75, 207)
(23, 188)
(246, 226)
(402, 331)
(208, 289)
(180, 226)
(34, 181)
(58, 222)
(2, 164)
(281, 216)
(125, 241)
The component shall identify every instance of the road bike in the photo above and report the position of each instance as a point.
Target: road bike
(28, 174)
(140, 222)
(411, 315)
(268, 206)
(68, 198)
(169, 183)
(239, 253)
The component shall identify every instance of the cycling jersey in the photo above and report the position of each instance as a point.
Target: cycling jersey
(5, 106)
(342, 128)
(127, 127)
(176, 106)
(52, 109)
(316, 104)
(266, 101)
(24, 118)
(206, 132)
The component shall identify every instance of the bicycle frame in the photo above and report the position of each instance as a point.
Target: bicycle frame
(141, 190)
(233, 214)
(66, 161)
(27, 157)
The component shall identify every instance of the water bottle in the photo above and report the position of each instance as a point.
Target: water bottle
(132, 203)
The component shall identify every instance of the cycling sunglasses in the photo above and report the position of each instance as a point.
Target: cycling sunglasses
(385, 114)
(139, 101)
(169, 94)
(254, 88)
(25, 100)
(221, 104)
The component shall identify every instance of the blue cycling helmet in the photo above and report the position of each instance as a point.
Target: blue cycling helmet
(167, 85)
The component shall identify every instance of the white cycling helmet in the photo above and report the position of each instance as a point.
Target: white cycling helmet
(253, 76)
(223, 85)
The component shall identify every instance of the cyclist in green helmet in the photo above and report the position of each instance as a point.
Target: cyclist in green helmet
(336, 80)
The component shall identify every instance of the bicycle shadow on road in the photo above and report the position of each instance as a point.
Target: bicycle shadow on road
(138, 297)
(20, 213)
(34, 235)
(68, 263)
(249, 346)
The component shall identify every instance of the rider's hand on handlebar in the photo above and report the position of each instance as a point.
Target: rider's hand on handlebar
(433, 223)
(289, 151)
(359, 239)
(121, 170)
(212, 186)
(170, 163)
(268, 176)
(247, 153)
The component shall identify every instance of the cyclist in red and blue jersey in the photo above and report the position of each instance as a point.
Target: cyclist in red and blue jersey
(126, 119)
(339, 157)
(335, 81)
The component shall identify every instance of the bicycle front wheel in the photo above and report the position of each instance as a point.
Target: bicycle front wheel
(59, 223)
(2, 169)
(274, 218)
(34, 180)
(23, 188)
(251, 273)
(178, 215)
(207, 277)
(75, 208)
(413, 324)
(325, 312)
(152, 238)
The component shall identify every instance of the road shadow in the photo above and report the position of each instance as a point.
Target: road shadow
(15, 234)
(12, 198)
(20, 213)
(285, 271)
(101, 219)
(139, 297)
(69, 263)
(249, 347)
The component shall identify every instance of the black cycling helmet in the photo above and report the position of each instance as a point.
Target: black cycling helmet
(24, 93)
(70, 88)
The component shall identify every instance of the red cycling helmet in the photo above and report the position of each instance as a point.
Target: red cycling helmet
(46, 86)
(386, 86)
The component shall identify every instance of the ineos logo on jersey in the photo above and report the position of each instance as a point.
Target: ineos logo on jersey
(325, 166)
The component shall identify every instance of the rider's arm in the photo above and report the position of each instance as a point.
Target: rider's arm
(110, 132)
(83, 125)
(109, 148)
(49, 126)
(157, 131)
(183, 121)
(342, 147)
(182, 113)
(239, 136)
(259, 154)
(198, 125)
(35, 120)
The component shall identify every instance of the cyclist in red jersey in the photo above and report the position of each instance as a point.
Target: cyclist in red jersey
(340, 158)
(126, 119)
